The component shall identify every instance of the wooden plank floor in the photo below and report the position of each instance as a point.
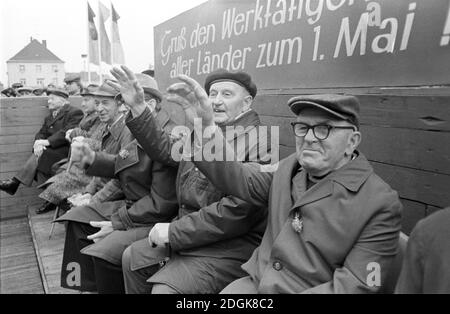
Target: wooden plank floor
(49, 251)
(19, 270)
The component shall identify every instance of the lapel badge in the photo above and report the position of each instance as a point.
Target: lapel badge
(124, 154)
(297, 223)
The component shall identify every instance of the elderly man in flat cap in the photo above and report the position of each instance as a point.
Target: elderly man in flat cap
(333, 223)
(202, 250)
(73, 84)
(50, 144)
(149, 193)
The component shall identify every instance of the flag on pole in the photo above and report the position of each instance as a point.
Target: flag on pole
(118, 56)
(93, 38)
(105, 44)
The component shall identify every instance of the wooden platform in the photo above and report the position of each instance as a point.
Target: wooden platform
(19, 269)
(30, 261)
(49, 251)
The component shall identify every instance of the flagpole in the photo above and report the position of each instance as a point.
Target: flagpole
(100, 44)
(112, 36)
(88, 47)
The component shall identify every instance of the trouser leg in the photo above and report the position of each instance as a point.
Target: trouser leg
(78, 269)
(108, 277)
(28, 172)
(136, 281)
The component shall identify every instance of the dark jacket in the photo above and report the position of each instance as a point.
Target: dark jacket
(114, 138)
(209, 222)
(54, 130)
(426, 262)
(351, 224)
(148, 186)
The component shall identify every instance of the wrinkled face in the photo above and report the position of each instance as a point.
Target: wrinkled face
(72, 87)
(107, 108)
(228, 99)
(88, 104)
(55, 102)
(319, 157)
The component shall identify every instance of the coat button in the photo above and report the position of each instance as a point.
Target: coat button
(277, 266)
(183, 207)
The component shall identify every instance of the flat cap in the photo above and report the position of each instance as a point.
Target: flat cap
(241, 78)
(344, 107)
(105, 90)
(10, 92)
(58, 92)
(72, 78)
(25, 89)
(88, 91)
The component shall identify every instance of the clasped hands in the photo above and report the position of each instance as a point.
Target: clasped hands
(81, 152)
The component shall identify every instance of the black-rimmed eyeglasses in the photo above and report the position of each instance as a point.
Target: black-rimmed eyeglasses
(320, 131)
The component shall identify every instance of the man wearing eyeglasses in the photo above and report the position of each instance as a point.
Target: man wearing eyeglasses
(333, 223)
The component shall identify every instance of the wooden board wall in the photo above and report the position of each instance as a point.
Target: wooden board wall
(406, 136)
(20, 119)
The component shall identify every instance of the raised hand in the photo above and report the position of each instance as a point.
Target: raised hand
(128, 85)
(194, 100)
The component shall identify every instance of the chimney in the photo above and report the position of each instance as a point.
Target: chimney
(31, 39)
(44, 42)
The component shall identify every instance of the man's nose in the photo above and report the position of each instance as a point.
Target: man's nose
(309, 136)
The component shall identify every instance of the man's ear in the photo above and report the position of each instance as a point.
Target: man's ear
(354, 140)
(248, 101)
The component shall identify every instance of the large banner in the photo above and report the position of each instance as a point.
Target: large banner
(310, 43)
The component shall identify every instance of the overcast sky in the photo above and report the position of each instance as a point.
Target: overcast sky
(63, 23)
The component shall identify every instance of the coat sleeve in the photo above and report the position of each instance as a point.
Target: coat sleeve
(367, 265)
(156, 141)
(111, 191)
(148, 210)
(410, 280)
(72, 120)
(229, 218)
(247, 181)
(103, 165)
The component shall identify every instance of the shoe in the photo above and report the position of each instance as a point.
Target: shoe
(10, 186)
(45, 208)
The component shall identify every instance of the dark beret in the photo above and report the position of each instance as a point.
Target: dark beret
(58, 92)
(241, 78)
(344, 107)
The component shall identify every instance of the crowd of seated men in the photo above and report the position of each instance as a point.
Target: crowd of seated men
(205, 207)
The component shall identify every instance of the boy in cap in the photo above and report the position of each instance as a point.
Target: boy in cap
(50, 144)
(333, 223)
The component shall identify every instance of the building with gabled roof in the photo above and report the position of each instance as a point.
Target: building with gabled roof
(35, 66)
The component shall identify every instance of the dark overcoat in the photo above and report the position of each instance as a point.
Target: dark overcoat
(54, 130)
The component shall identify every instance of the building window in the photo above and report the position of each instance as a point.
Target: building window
(54, 68)
(55, 81)
(40, 81)
(38, 68)
(23, 82)
(21, 68)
